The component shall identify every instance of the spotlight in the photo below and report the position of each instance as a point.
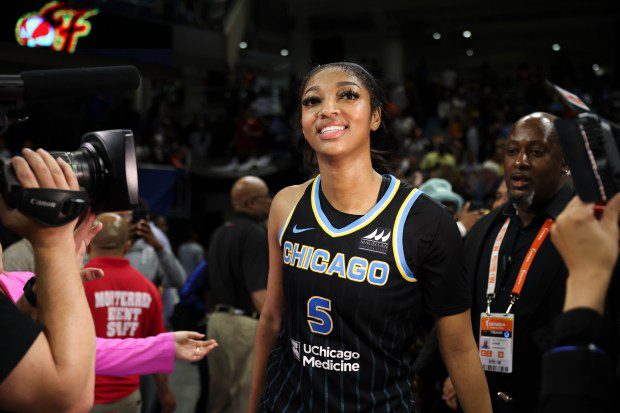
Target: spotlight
(469, 52)
(596, 67)
(467, 34)
(556, 47)
(436, 35)
(243, 45)
(284, 52)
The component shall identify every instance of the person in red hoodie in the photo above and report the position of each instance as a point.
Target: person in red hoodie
(124, 304)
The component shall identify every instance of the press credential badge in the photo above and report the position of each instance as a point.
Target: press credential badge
(496, 342)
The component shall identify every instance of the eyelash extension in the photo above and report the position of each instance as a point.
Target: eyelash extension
(349, 92)
(309, 101)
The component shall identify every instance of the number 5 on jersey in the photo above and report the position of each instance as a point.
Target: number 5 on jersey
(319, 320)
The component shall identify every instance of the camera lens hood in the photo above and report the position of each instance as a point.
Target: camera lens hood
(116, 175)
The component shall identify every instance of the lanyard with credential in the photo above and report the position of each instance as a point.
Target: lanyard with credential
(525, 267)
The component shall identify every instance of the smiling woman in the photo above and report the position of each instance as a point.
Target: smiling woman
(355, 83)
(353, 256)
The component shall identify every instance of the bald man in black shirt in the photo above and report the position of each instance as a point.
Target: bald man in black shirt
(535, 173)
(238, 263)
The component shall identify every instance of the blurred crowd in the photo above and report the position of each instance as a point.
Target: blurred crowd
(443, 125)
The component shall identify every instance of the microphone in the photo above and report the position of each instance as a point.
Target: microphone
(36, 85)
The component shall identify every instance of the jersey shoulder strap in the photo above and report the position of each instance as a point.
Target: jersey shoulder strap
(305, 195)
(412, 195)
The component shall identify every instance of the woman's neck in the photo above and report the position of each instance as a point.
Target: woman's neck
(350, 187)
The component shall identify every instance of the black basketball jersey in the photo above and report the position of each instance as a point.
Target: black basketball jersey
(351, 302)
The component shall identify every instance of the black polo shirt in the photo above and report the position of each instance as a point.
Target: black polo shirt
(540, 302)
(238, 262)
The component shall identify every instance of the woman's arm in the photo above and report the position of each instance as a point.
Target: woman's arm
(460, 354)
(64, 352)
(445, 289)
(271, 314)
(150, 355)
(123, 357)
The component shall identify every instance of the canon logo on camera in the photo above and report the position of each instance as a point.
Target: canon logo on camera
(41, 203)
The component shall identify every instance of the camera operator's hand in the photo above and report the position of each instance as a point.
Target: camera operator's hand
(91, 274)
(84, 234)
(589, 249)
(39, 170)
(142, 229)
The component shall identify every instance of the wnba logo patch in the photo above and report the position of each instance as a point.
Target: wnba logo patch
(295, 346)
(377, 241)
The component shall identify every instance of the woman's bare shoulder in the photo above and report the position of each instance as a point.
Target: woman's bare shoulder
(285, 200)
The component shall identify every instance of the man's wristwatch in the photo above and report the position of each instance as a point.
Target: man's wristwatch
(31, 297)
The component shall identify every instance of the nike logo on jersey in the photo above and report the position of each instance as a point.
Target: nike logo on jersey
(298, 230)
